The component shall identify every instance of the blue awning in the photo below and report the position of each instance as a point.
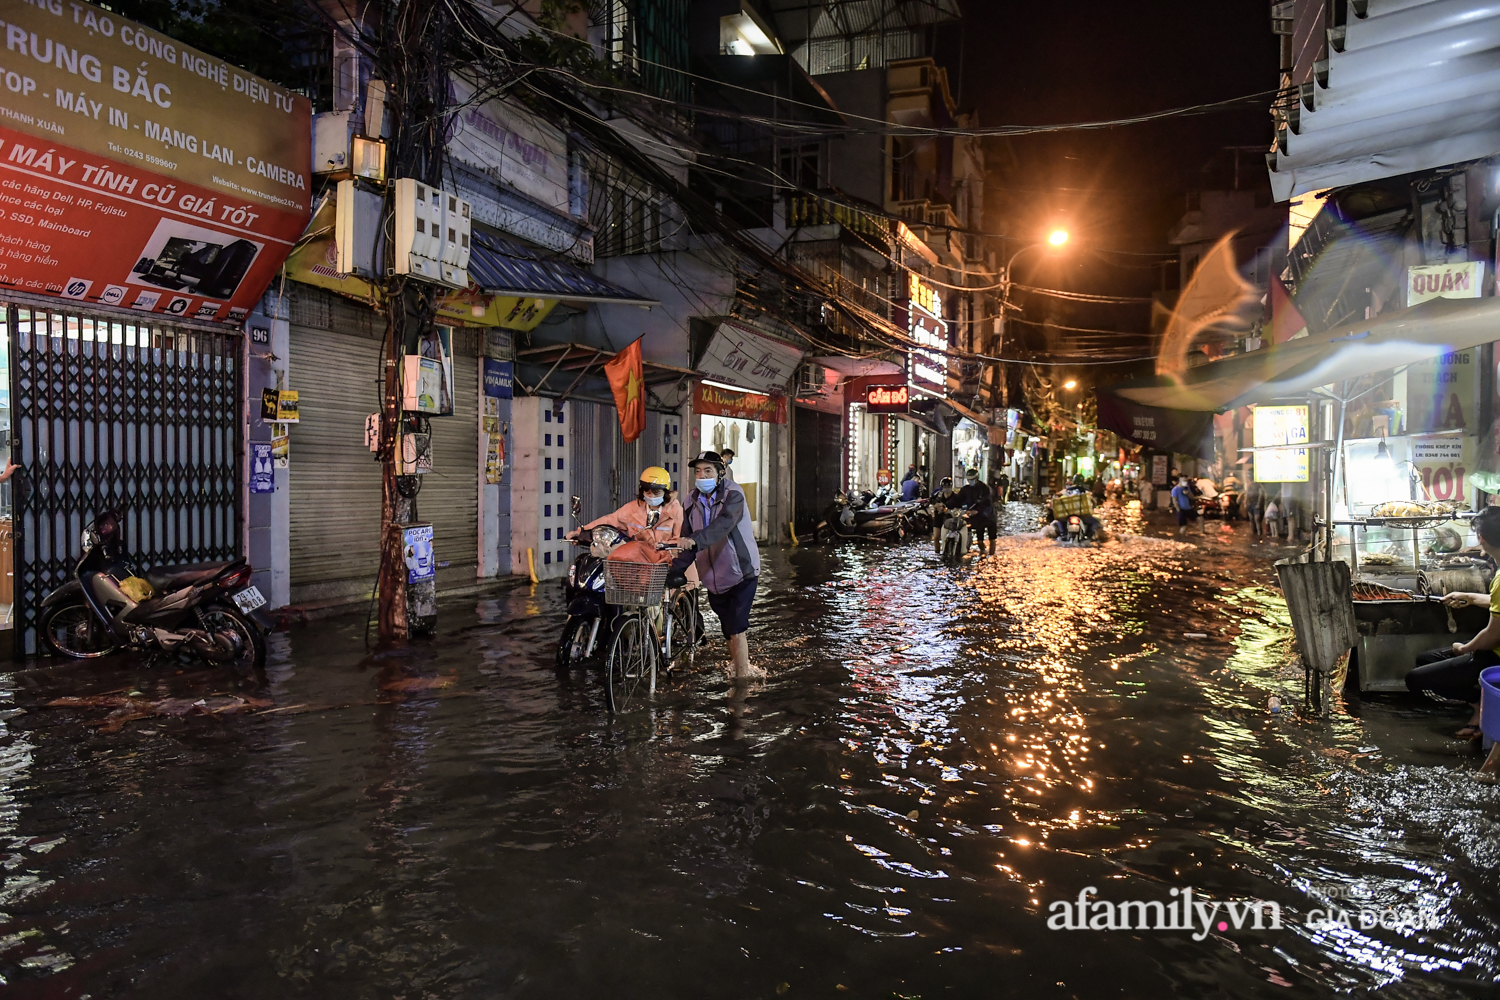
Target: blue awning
(503, 267)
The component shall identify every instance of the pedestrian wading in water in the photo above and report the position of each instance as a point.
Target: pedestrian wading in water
(720, 541)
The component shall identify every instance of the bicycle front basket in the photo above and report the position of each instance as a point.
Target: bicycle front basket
(636, 585)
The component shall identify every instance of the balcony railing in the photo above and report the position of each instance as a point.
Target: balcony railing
(809, 210)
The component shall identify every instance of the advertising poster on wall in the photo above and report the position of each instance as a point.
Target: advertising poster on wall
(138, 172)
(714, 401)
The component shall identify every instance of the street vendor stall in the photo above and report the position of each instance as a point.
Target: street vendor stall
(1326, 375)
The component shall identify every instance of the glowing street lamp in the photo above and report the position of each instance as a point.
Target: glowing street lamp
(1070, 384)
(1057, 237)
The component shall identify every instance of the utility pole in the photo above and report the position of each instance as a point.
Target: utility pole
(411, 46)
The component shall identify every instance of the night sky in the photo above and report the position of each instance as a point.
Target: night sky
(1120, 188)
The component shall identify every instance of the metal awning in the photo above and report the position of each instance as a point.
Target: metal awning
(582, 361)
(504, 267)
(1406, 87)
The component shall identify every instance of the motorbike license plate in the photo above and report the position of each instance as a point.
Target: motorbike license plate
(249, 599)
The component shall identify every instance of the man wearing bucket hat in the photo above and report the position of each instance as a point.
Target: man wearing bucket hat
(718, 529)
(1452, 673)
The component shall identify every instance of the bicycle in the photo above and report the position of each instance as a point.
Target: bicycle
(655, 625)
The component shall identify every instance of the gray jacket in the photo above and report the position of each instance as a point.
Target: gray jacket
(727, 553)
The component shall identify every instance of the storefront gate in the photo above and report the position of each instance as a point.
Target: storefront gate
(114, 412)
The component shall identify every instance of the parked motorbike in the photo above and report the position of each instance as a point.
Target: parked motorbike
(208, 610)
(843, 519)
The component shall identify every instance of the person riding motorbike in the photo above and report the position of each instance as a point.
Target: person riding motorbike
(943, 498)
(1091, 524)
(980, 500)
(652, 494)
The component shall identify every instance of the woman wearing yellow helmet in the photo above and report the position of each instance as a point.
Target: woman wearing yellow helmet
(653, 495)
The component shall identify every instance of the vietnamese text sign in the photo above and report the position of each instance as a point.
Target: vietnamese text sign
(742, 356)
(887, 399)
(1444, 281)
(499, 378)
(506, 141)
(135, 171)
(1443, 465)
(714, 401)
(1441, 393)
(1276, 425)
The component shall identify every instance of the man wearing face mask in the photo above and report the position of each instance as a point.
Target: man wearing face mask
(718, 529)
(652, 494)
(727, 455)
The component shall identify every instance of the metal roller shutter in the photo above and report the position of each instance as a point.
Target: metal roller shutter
(450, 493)
(335, 481)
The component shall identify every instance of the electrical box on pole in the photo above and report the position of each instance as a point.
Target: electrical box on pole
(432, 234)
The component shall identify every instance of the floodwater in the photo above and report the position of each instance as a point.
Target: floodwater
(941, 761)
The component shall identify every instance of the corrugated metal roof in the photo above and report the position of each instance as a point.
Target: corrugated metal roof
(503, 267)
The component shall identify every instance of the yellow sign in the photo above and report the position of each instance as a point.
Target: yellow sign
(84, 77)
(1281, 425)
(924, 295)
(474, 308)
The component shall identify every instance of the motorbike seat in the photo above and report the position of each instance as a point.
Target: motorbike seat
(187, 575)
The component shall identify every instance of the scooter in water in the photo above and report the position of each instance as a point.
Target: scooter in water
(207, 610)
(842, 519)
(953, 538)
(589, 616)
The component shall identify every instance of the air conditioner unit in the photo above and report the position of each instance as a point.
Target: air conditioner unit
(433, 230)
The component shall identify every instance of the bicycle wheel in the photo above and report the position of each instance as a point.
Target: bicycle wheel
(631, 667)
(684, 631)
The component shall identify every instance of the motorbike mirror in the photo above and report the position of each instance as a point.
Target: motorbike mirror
(652, 518)
(577, 506)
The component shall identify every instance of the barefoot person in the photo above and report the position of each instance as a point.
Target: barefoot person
(728, 560)
(1452, 673)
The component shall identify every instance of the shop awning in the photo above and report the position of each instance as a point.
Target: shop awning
(504, 267)
(568, 365)
(1293, 369)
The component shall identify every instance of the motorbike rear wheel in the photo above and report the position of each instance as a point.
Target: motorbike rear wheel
(72, 630)
(242, 632)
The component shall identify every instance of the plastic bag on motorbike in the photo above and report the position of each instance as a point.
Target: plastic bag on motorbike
(137, 589)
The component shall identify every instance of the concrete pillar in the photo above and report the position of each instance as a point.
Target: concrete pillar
(267, 521)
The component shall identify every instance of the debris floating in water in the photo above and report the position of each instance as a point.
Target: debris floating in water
(1195, 635)
(1274, 705)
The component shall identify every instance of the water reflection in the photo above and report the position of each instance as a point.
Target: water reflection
(941, 755)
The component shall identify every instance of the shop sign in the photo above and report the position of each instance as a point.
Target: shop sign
(882, 477)
(510, 144)
(1159, 470)
(742, 356)
(279, 406)
(475, 308)
(499, 378)
(141, 173)
(1279, 425)
(714, 401)
(1443, 464)
(925, 325)
(1444, 281)
(1441, 393)
(888, 399)
(262, 468)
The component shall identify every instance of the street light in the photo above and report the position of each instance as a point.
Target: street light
(1070, 384)
(1058, 237)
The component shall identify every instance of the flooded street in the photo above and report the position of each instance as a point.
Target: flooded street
(938, 757)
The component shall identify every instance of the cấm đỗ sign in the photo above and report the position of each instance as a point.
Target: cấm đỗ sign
(138, 172)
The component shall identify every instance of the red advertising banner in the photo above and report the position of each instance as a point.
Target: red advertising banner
(887, 399)
(81, 227)
(138, 172)
(716, 402)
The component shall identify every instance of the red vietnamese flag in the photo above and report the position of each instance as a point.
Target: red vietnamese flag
(627, 379)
